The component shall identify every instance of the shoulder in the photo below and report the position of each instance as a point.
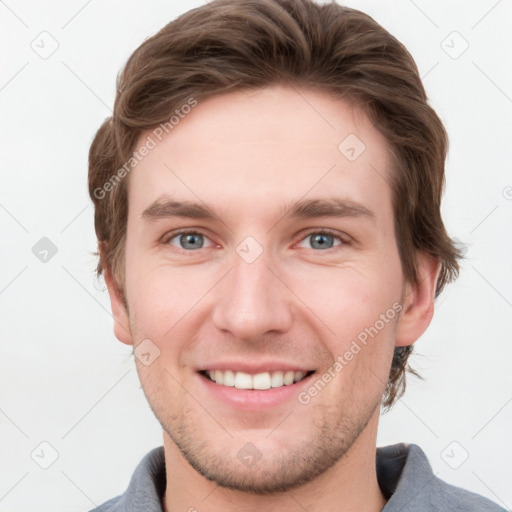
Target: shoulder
(407, 480)
(109, 506)
(459, 499)
(145, 489)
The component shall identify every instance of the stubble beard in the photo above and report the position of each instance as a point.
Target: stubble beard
(332, 436)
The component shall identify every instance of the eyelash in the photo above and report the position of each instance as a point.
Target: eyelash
(343, 241)
(173, 234)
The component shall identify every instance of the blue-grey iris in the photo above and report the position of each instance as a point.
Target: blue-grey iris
(324, 241)
(192, 241)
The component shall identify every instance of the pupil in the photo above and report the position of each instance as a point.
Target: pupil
(192, 241)
(321, 242)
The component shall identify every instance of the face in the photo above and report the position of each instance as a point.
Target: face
(261, 254)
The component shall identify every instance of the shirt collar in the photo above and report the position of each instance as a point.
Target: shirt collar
(397, 467)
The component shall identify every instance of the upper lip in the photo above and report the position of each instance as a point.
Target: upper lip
(255, 368)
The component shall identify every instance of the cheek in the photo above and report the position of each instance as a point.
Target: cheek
(351, 298)
(360, 307)
(168, 305)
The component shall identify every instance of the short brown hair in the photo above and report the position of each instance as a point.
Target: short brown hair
(230, 45)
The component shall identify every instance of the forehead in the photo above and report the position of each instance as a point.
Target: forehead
(258, 150)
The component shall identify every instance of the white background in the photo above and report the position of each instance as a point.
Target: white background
(64, 378)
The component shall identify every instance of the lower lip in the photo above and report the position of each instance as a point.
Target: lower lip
(254, 399)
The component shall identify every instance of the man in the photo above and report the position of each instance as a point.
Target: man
(267, 206)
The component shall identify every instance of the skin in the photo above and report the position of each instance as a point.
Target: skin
(247, 155)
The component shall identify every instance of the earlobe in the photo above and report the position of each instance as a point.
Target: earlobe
(418, 302)
(121, 320)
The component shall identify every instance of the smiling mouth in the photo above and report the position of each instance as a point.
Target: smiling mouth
(259, 381)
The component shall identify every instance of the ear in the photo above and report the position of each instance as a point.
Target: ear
(119, 311)
(418, 302)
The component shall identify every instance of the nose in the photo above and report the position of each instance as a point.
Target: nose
(253, 301)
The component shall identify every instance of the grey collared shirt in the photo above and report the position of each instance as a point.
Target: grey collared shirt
(403, 472)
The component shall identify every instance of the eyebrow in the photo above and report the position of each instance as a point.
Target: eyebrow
(301, 209)
(329, 207)
(162, 209)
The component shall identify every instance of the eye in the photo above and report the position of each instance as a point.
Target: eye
(188, 240)
(322, 240)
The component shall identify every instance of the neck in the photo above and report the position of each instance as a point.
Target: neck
(348, 486)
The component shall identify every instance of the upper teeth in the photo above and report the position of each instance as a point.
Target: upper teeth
(265, 380)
